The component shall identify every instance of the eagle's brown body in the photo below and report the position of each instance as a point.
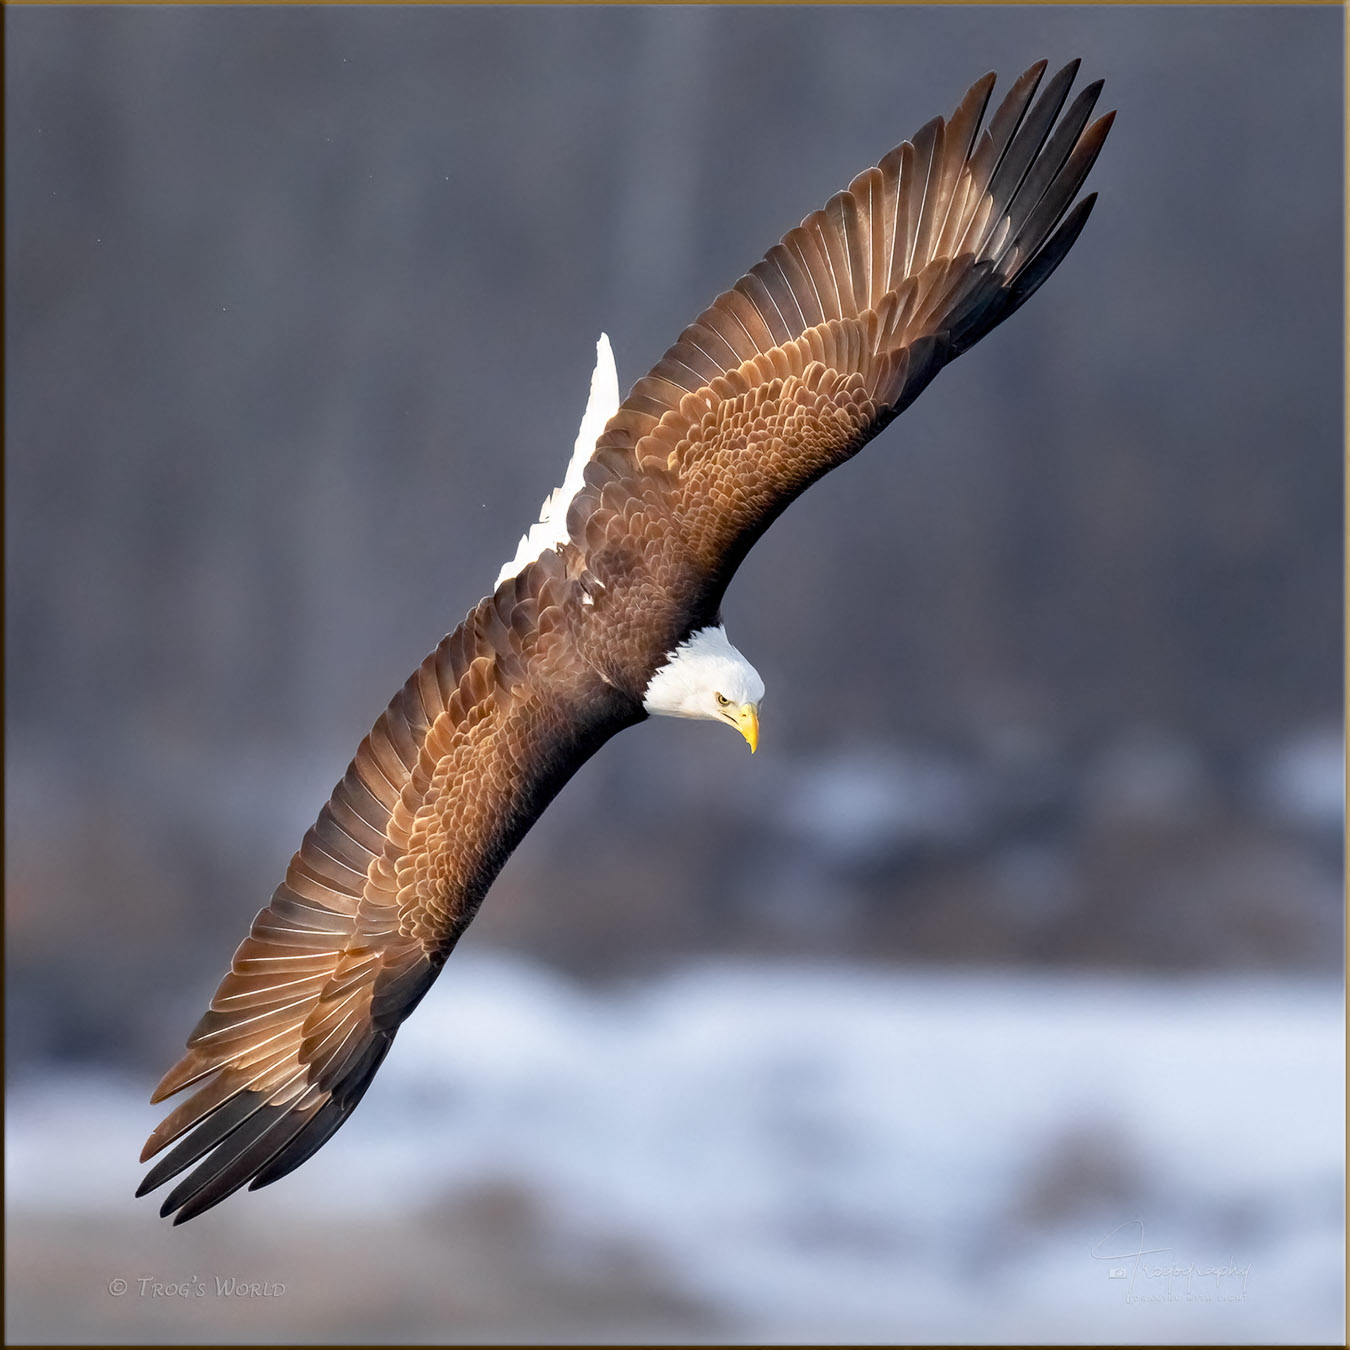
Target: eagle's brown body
(780, 380)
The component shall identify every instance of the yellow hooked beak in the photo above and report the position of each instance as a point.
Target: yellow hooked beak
(747, 723)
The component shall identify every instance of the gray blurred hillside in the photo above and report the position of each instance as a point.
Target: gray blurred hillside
(301, 309)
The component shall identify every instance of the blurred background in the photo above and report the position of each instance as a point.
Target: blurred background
(1018, 946)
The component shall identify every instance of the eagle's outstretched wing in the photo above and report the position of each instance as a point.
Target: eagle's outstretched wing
(835, 332)
(466, 756)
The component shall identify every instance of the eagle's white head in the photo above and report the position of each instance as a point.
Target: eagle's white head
(705, 676)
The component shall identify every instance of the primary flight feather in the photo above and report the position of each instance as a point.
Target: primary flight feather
(610, 610)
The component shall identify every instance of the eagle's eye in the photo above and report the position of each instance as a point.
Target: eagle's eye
(722, 702)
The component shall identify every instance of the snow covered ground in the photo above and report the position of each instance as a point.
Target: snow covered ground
(840, 1153)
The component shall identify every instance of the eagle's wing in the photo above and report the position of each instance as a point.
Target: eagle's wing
(465, 757)
(836, 331)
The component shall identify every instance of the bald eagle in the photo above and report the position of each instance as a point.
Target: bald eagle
(609, 611)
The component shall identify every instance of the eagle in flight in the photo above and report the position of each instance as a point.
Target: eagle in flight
(610, 610)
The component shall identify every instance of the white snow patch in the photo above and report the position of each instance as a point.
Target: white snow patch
(843, 1153)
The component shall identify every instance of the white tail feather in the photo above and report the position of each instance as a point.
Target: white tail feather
(600, 407)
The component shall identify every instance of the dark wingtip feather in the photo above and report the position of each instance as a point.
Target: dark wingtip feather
(1034, 275)
(320, 1129)
(1026, 145)
(236, 1159)
(248, 1142)
(209, 1134)
(1071, 69)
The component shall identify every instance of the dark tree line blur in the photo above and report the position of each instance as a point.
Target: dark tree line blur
(301, 309)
